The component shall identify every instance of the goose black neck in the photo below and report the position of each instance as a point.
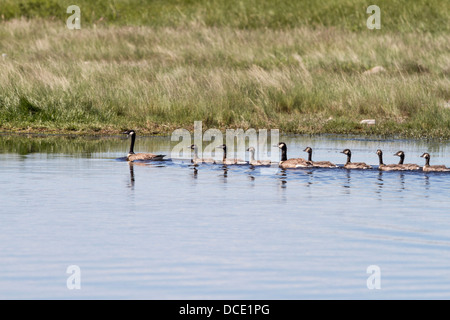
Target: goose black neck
(427, 161)
(224, 152)
(402, 158)
(133, 138)
(252, 155)
(284, 153)
(349, 158)
(195, 153)
(380, 156)
(310, 156)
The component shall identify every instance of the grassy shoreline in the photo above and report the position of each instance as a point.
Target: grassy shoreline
(299, 77)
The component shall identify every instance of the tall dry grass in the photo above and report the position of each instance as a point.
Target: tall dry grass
(154, 79)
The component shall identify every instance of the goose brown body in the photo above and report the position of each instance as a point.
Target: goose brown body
(318, 164)
(144, 157)
(131, 156)
(354, 165)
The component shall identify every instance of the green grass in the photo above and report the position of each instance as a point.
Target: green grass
(159, 65)
(403, 15)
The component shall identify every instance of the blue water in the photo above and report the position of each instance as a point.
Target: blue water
(168, 230)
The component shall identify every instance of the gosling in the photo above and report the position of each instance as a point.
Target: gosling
(254, 162)
(434, 168)
(225, 160)
(196, 159)
(354, 165)
(406, 166)
(319, 164)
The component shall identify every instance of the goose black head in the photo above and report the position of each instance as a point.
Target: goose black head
(308, 150)
(282, 145)
(224, 147)
(379, 152)
(347, 152)
(251, 149)
(425, 155)
(129, 132)
(399, 154)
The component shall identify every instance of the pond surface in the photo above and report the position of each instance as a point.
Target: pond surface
(167, 230)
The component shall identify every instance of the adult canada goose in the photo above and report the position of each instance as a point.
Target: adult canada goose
(225, 160)
(435, 168)
(286, 163)
(354, 165)
(388, 167)
(406, 166)
(139, 156)
(254, 162)
(318, 164)
(196, 159)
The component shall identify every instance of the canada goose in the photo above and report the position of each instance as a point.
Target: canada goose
(388, 167)
(318, 164)
(225, 160)
(435, 168)
(406, 166)
(286, 163)
(354, 165)
(139, 156)
(196, 159)
(254, 162)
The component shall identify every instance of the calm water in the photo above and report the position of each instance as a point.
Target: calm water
(167, 231)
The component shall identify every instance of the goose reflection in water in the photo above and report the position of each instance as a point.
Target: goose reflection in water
(132, 175)
(427, 184)
(132, 180)
(402, 181)
(225, 173)
(195, 173)
(282, 178)
(380, 184)
(251, 173)
(347, 184)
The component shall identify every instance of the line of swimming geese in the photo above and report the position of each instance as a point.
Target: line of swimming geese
(294, 163)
